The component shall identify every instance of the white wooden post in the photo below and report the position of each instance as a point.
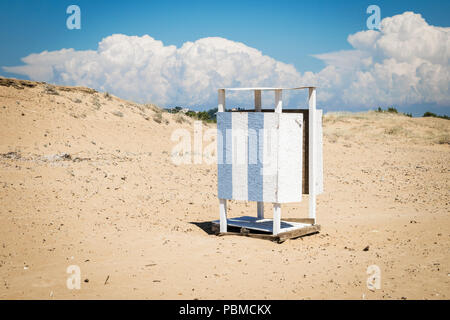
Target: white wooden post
(278, 101)
(223, 215)
(222, 202)
(260, 204)
(221, 106)
(277, 206)
(258, 100)
(312, 149)
(276, 218)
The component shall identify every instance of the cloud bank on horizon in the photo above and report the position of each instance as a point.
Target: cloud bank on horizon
(405, 63)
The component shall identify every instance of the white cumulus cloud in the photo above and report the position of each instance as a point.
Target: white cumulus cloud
(144, 69)
(405, 63)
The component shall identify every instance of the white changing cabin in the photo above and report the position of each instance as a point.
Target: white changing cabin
(269, 155)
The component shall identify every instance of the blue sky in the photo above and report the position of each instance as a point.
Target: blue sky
(288, 31)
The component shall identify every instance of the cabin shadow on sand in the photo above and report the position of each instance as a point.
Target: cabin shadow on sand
(205, 226)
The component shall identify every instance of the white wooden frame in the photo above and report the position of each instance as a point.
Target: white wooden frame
(278, 108)
(258, 105)
(312, 140)
(222, 202)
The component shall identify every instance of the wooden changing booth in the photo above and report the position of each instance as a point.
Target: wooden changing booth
(269, 155)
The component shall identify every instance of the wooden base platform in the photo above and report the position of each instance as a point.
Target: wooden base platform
(262, 228)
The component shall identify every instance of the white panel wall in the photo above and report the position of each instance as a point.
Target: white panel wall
(319, 153)
(240, 155)
(270, 157)
(290, 157)
(277, 175)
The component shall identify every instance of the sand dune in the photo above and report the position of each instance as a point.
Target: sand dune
(87, 179)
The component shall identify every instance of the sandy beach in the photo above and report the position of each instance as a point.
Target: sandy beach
(87, 179)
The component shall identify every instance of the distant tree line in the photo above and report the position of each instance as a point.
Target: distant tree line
(207, 116)
(426, 114)
(392, 110)
(431, 114)
(210, 115)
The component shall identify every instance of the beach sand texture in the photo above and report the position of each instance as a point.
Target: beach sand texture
(87, 179)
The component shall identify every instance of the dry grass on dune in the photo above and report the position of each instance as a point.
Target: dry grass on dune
(382, 126)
